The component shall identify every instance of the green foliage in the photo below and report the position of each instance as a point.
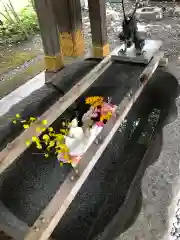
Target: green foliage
(18, 27)
(28, 18)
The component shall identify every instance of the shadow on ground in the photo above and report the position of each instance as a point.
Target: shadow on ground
(163, 90)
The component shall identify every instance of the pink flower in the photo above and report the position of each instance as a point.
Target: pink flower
(100, 124)
(76, 159)
(106, 107)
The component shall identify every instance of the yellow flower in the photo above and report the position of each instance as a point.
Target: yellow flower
(44, 122)
(53, 141)
(26, 126)
(35, 139)
(98, 103)
(51, 144)
(61, 164)
(64, 148)
(50, 129)
(59, 137)
(89, 100)
(18, 115)
(102, 119)
(43, 129)
(45, 137)
(66, 156)
(52, 134)
(96, 100)
(109, 115)
(58, 151)
(64, 131)
(28, 143)
(32, 119)
(59, 145)
(38, 145)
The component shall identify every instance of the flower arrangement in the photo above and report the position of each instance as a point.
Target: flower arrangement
(93, 122)
(52, 142)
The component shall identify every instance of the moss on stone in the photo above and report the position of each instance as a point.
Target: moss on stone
(12, 61)
(11, 83)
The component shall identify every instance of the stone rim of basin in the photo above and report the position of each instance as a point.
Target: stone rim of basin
(149, 10)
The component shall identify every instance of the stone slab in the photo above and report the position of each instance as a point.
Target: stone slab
(149, 13)
(148, 51)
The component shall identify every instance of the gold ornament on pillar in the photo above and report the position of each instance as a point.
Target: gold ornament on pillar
(72, 44)
(101, 51)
